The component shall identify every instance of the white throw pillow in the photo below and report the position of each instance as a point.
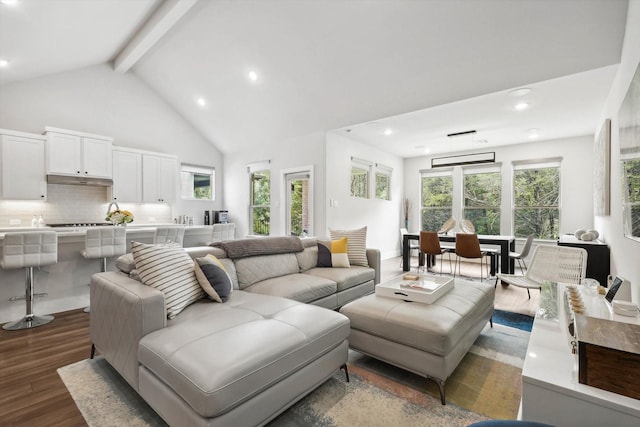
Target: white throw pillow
(357, 244)
(169, 269)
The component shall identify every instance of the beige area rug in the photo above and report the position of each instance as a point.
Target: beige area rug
(486, 384)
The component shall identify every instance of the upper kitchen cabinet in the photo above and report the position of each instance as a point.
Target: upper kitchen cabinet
(158, 178)
(127, 175)
(22, 156)
(76, 153)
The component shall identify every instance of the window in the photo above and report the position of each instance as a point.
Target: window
(360, 178)
(383, 182)
(631, 196)
(197, 182)
(260, 199)
(536, 197)
(436, 198)
(299, 193)
(482, 195)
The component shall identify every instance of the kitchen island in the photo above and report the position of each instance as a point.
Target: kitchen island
(66, 282)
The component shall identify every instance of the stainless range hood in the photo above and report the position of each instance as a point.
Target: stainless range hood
(79, 180)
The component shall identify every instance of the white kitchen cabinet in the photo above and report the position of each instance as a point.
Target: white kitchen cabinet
(127, 175)
(77, 153)
(22, 157)
(158, 178)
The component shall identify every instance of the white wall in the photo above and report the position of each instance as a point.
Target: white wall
(100, 101)
(625, 252)
(307, 150)
(382, 217)
(576, 179)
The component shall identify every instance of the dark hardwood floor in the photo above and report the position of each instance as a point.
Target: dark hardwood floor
(32, 393)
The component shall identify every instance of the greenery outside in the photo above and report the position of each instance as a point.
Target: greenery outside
(436, 201)
(482, 196)
(260, 202)
(298, 197)
(359, 182)
(383, 186)
(631, 194)
(536, 202)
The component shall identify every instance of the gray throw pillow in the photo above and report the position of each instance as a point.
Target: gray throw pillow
(213, 278)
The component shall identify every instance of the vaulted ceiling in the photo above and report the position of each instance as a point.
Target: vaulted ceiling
(421, 69)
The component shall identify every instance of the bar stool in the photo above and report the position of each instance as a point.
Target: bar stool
(28, 250)
(173, 234)
(103, 243)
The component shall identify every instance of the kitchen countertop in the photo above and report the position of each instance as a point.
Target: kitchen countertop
(138, 229)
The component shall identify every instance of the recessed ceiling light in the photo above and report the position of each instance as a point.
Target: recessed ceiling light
(9, 2)
(520, 92)
(521, 106)
(482, 141)
(388, 131)
(201, 101)
(533, 133)
(252, 76)
(4, 63)
(427, 150)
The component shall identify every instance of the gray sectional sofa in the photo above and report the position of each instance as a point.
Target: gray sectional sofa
(241, 362)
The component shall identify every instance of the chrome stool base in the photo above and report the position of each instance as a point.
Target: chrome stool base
(27, 322)
(21, 297)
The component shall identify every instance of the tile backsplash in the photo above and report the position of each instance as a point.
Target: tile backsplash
(76, 204)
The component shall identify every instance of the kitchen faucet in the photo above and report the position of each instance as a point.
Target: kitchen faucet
(111, 204)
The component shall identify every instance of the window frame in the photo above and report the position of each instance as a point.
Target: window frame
(194, 170)
(431, 173)
(253, 170)
(551, 163)
(494, 168)
(387, 172)
(365, 166)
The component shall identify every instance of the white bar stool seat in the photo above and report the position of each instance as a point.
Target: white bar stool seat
(28, 250)
(173, 234)
(103, 243)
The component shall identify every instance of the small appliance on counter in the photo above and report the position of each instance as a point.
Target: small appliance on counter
(206, 217)
(220, 217)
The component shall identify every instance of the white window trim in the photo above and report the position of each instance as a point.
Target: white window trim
(309, 170)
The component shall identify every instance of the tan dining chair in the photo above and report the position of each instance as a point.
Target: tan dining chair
(430, 246)
(468, 246)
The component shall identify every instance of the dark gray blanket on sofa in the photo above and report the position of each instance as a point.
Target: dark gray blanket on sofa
(260, 246)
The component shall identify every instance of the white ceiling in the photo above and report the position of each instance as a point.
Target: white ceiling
(342, 64)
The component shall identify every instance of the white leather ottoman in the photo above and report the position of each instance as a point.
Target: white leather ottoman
(427, 339)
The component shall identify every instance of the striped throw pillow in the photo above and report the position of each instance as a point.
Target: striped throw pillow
(169, 269)
(357, 244)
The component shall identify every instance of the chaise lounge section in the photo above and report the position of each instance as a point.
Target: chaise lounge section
(241, 362)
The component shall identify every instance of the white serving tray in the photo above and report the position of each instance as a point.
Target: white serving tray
(426, 290)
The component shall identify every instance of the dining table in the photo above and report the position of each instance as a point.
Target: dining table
(506, 243)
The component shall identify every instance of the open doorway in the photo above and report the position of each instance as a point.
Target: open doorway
(298, 185)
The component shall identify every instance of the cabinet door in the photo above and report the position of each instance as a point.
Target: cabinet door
(96, 158)
(150, 183)
(64, 154)
(167, 179)
(127, 176)
(158, 178)
(23, 168)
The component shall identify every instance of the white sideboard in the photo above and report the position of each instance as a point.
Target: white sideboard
(551, 392)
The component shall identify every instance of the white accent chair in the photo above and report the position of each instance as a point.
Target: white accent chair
(553, 264)
(520, 256)
(173, 234)
(223, 232)
(28, 250)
